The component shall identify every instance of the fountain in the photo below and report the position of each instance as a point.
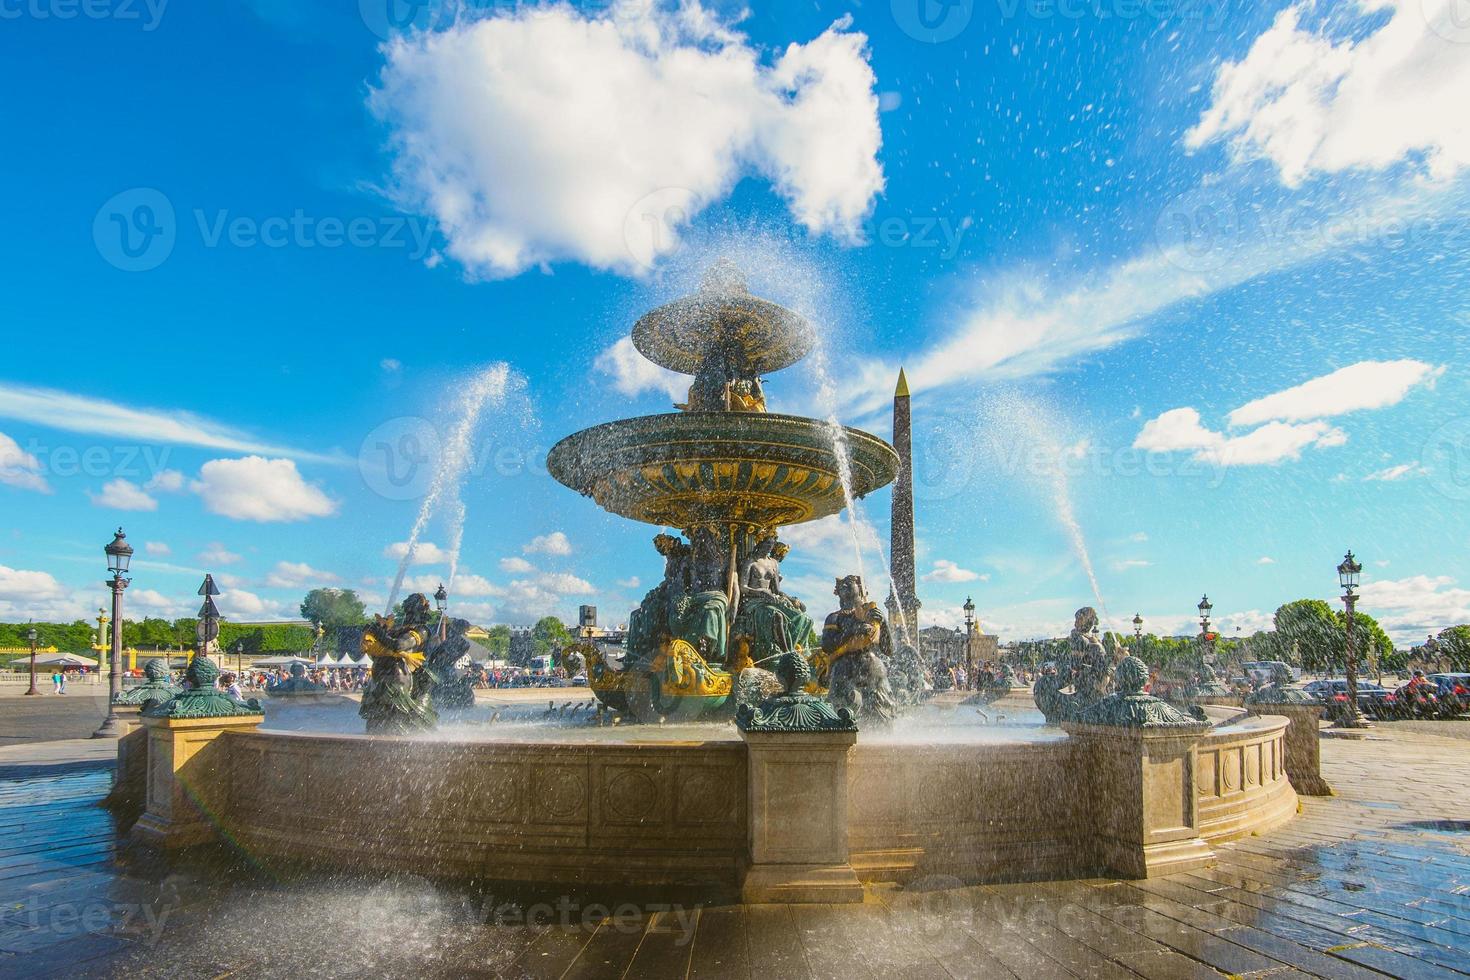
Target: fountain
(791, 803)
(728, 474)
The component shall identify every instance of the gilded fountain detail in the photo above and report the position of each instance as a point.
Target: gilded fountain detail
(729, 475)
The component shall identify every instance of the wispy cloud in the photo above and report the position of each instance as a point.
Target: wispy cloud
(54, 409)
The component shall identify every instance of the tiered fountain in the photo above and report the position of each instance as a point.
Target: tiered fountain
(729, 475)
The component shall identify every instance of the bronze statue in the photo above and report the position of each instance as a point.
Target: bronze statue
(398, 701)
(774, 621)
(1087, 668)
(852, 639)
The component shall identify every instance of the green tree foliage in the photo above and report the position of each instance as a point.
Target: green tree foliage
(276, 638)
(1314, 630)
(332, 608)
(549, 635)
(1454, 643)
(499, 640)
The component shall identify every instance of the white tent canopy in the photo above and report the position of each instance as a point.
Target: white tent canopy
(60, 660)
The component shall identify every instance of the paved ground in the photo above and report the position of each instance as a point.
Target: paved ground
(51, 717)
(1375, 881)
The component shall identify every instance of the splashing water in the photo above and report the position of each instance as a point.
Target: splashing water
(1043, 458)
(488, 387)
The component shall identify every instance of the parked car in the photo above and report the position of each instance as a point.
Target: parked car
(1374, 701)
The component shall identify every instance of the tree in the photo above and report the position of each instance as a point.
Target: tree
(549, 635)
(1315, 630)
(498, 642)
(333, 608)
(1371, 642)
(1454, 643)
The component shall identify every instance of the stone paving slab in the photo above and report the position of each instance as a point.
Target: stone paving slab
(1373, 882)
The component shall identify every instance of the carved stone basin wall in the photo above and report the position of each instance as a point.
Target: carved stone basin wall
(675, 812)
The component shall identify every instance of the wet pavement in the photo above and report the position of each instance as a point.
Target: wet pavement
(1373, 882)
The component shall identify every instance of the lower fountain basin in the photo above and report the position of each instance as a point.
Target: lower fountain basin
(685, 469)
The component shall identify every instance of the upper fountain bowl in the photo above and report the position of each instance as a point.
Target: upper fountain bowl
(692, 468)
(755, 335)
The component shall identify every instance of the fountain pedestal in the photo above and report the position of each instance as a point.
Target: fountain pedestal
(1302, 745)
(798, 818)
(1141, 797)
(188, 778)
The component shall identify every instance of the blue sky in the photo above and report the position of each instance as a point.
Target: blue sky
(1180, 287)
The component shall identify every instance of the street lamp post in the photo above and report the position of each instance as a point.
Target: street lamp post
(1347, 576)
(441, 601)
(1137, 628)
(1207, 644)
(969, 643)
(31, 635)
(119, 556)
(240, 657)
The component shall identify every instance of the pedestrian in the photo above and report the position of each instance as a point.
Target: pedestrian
(227, 681)
(56, 682)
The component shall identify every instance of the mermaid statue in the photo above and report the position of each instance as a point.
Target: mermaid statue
(398, 700)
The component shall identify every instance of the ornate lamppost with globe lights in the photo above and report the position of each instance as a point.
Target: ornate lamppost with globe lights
(1207, 639)
(31, 635)
(119, 556)
(1347, 576)
(969, 643)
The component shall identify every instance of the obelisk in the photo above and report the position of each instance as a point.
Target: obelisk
(904, 598)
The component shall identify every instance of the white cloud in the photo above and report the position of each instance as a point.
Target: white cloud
(542, 134)
(296, 575)
(1265, 560)
(19, 468)
(1365, 385)
(516, 566)
(1393, 474)
(555, 543)
(1312, 104)
(1411, 608)
(254, 488)
(630, 583)
(167, 481)
(947, 571)
(238, 604)
(157, 548)
(632, 373)
(424, 553)
(78, 413)
(123, 494)
(20, 586)
(1128, 564)
(218, 554)
(390, 365)
(1180, 430)
(563, 583)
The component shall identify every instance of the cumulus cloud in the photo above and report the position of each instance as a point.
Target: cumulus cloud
(516, 566)
(19, 468)
(1411, 608)
(632, 373)
(546, 134)
(555, 543)
(1180, 429)
(630, 583)
(424, 553)
(158, 548)
(1365, 385)
(1265, 560)
(947, 571)
(238, 604)
(1313, 103)
(254, 488)
(123, 494)
(17, 585)
(295, 575)
(166, 481)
